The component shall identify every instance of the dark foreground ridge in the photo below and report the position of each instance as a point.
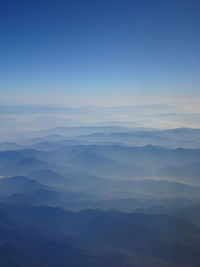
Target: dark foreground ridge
(44, 236)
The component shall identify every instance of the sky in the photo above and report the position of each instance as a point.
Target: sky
(99, 51)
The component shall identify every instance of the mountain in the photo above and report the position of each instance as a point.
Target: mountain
(49, 177)
(72, 180)
(96, 163)
(22, 162)
(164, 188)
(108, 161)
(188, 172)
(48, 237)
(18, 184)
(173, 138)
(93, 197)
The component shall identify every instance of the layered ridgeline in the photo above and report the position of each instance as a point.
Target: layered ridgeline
(94, 196)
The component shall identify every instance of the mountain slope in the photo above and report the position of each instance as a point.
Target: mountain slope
(93, 238)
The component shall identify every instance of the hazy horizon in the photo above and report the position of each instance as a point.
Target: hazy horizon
(30, 117)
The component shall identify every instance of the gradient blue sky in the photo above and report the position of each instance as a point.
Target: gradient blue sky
(98, 49)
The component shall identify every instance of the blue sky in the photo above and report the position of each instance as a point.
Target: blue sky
(87, 49)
